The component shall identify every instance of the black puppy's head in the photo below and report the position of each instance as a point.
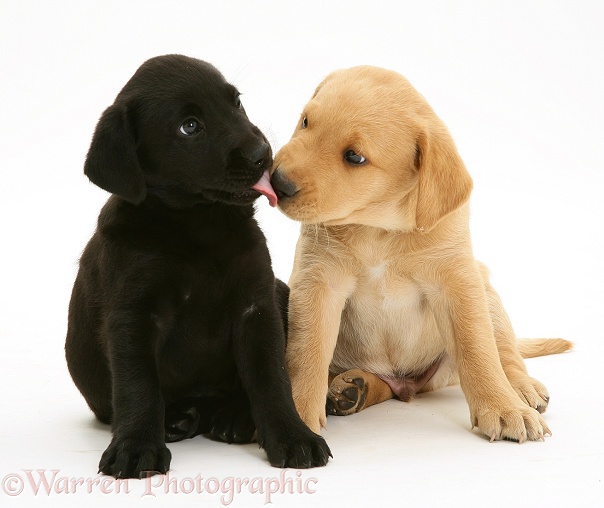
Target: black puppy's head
(176, 130)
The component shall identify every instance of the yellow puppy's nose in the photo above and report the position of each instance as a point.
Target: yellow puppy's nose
(284, 188)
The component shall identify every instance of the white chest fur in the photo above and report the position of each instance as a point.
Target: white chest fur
(387, 326)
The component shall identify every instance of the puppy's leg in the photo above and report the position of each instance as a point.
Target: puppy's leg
(530, 391)
(354, 390)
(495, 407)
(259, 351)
(85, 357)
(90, 374)
(282, 294)
(315, 309)
(138, 445)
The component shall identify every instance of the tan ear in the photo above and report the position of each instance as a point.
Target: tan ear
(319, 86)
(327, 79)
(444, 183)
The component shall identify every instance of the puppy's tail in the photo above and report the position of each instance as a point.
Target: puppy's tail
(530, 348)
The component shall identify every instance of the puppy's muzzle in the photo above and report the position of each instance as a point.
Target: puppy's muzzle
(284, 188)
(258, 155)
(251, 157)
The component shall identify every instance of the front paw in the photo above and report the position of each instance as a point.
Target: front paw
(515, 422)
(531, 392)
(300, 449)
(135, 458)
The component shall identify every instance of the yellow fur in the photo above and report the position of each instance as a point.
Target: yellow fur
(384, 278)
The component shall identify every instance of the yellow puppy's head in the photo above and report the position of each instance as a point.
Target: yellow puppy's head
(368, 149)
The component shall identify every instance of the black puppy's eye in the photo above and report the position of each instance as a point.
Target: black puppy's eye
(190, 127)
(304, 122)
(238, 103)
(353, 158)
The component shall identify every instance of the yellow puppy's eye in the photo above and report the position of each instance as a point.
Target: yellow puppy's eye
(304, 123)
(353, 158)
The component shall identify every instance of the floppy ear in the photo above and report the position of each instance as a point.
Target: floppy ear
(319, 86)
(112, 163)
(444, 183)
(326, 79)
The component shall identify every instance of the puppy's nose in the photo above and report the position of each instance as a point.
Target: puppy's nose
(283, 187)
(257, 155)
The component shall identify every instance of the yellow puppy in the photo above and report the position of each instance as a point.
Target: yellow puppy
(386, 296)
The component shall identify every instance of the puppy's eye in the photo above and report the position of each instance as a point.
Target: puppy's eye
(304, 122)
(238, 104)
(190, 127)
(353, 158)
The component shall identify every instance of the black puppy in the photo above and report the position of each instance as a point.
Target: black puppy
(176, 321)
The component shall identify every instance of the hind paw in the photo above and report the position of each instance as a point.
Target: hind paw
(347, 394)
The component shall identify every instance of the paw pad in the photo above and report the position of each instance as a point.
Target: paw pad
(346, 396)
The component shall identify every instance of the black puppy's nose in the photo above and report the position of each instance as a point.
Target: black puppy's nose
(257, 155)
(282, 186)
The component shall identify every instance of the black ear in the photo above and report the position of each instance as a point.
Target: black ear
(112, 163)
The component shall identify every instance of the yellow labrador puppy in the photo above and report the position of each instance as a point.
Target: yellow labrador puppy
(386, 296)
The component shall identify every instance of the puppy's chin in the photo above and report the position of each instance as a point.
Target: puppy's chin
(294, 210)
(306, 212)
(309, 207)
(241, 198)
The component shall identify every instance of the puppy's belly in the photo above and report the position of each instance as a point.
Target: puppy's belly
(388, 327)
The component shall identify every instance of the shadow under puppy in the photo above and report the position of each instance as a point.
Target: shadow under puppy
(386, 297)
(176, 321)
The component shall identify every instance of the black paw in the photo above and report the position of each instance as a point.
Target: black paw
(233, 423)
(299, 450)
(135, 458)
(346, 396)
(182, 421)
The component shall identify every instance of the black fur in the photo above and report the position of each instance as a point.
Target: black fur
(176, 321)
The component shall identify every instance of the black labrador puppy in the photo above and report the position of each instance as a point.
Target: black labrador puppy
(176, 321)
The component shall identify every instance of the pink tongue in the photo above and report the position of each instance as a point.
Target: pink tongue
(264, 187)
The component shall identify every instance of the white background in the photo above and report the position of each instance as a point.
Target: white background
(520, 85)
